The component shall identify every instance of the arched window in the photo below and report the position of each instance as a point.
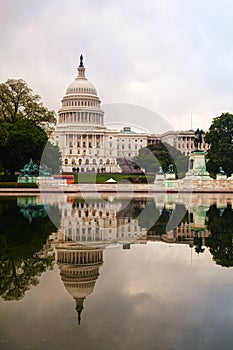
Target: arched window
(73, 161)
(79, 161)
(94, 162)
(107, 161)
(101, 162)
(87, 162)
(66, 161)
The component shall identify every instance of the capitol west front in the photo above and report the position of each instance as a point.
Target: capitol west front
(88, 146)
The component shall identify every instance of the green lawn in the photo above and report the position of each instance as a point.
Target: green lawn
(102, 178)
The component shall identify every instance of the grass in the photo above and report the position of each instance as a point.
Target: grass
(102, 178)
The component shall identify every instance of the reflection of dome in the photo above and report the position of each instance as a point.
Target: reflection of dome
(79, 270)
(81, 104)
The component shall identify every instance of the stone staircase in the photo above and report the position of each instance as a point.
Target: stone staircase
(127, 165)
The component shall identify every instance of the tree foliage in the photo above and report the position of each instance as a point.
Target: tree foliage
(220, 138)
(17, 101)
(23, 141)
(160, 154)
(52, 157)
(24, 124)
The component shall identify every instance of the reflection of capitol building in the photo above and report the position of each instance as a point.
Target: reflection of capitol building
(79, 270)
(188, 229)
(97, 223)
(184, 233)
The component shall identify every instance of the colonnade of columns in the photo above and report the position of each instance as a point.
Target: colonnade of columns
(84, 140)
(81, 117)
(80, 257)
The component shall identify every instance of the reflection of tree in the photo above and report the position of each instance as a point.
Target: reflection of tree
(132, 209)
(24, 255)
(18, 276)
(220, 224)
(161, 220)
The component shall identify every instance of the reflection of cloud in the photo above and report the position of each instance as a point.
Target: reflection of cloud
(172, 305)
(170, 310)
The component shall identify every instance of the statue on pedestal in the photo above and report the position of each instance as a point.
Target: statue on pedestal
(32, 170)
(29, 169)
(198, 138)
(170, 169)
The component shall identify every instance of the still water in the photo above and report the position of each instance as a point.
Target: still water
(116, 273)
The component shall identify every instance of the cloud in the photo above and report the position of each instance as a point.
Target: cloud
(173, 57)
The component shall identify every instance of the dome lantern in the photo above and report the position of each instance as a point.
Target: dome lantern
(81, 69)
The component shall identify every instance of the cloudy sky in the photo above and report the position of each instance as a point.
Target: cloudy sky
(174, 57)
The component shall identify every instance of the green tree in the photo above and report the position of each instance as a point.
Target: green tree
(220, 241)
(24, 125)
(161, 154)
(52, 157)
(17, 101)
(220, 138)
(24, 140)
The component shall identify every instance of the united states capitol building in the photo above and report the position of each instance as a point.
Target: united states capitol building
(87, 145)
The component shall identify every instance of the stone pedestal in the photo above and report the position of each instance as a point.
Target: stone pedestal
(27, 179)
(221, 177)
(197, 166)
(171, 176)
(159, 177)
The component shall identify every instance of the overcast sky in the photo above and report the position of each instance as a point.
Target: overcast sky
(174, 57)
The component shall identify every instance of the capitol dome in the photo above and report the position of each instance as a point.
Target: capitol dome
(81, 86)
(81, 104)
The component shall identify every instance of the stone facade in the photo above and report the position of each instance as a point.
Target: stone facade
(85, 143)
(183, 141)
(88, 146)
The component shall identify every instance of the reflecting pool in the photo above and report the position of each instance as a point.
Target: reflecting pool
(116, 273)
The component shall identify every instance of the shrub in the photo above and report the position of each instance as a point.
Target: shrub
(18, 185)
